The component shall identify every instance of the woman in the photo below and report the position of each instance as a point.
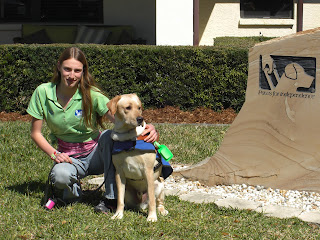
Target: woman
(73, 107)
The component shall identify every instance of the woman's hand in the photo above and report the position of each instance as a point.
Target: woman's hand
(152, 134)
(62, 157)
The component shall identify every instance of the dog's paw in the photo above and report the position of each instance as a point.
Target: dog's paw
(163, 211)
(152, 218)
(117, 215)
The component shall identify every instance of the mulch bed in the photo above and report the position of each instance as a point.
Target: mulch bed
(161, 115)
(200, 115)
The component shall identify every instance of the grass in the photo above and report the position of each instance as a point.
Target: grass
(24, 169)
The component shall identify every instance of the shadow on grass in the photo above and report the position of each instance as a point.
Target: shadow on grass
(90, 197)
(28, 187)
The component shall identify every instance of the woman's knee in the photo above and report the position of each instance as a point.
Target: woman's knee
(63, 174)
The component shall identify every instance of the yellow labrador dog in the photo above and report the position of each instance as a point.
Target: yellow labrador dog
(135, 168)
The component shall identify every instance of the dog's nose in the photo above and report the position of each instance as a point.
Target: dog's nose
(139, 120)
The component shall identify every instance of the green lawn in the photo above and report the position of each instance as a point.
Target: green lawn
(24, 169)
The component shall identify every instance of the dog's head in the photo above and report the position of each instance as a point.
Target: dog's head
(294, 71)
(127, 110)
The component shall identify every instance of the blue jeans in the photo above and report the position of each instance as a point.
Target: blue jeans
(65, 175)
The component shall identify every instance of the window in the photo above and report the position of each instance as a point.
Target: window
(266, 9)
(89, 11)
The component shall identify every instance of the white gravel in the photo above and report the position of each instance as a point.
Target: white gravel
(308, 201)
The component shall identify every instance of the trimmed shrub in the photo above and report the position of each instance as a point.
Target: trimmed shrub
(188, 77)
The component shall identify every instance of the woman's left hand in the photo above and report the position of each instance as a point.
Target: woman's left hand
(153, 134)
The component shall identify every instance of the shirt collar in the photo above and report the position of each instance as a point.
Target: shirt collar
(52, 93)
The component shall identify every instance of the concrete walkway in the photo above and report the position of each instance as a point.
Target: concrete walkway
(268, 210)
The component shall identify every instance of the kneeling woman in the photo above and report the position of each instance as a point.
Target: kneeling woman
(73, 108)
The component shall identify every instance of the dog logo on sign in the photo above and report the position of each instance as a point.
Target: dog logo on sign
(287, 73)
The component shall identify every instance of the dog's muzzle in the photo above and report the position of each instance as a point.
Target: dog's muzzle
(139, 120)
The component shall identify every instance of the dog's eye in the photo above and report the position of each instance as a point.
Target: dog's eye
(128, 108)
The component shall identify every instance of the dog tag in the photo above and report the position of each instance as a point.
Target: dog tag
(163, 151)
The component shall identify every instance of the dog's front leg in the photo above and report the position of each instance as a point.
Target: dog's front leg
(159, 193)
(121, 186)
(152, 215)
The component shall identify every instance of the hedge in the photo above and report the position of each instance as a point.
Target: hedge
(242, 42)
(188, 77)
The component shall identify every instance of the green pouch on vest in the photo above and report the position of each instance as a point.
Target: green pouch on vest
(163, 151)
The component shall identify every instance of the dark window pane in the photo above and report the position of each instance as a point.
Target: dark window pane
(16, 9)
(72, 11)
(266, 9)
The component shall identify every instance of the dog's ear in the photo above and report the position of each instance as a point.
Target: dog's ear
(112, 104)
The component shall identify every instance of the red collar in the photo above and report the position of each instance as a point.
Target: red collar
(144, 137)
(141, 137)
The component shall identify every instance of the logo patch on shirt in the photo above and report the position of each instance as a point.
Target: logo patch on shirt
(78, 113)
(51, 112)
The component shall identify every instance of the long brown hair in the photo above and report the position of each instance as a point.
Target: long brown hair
(87, 82)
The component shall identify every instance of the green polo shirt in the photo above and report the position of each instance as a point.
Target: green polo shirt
(66, 124)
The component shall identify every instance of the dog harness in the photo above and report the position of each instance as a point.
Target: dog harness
(144, 146)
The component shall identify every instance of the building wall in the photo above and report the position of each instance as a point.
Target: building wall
(311, 16)
(174, 22)
(170, 22)
(219, 18)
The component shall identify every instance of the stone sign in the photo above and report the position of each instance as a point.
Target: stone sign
(275, 139)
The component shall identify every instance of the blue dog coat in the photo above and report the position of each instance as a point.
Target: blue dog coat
(142, 145)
